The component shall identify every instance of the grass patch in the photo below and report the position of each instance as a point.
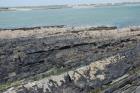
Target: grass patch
(9, 85)
(97, 90)
(53, 71)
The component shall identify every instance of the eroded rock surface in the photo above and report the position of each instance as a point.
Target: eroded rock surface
(68, 60)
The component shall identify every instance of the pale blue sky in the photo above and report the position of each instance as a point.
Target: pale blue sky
(54, 2)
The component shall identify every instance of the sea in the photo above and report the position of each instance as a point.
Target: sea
(120, 16)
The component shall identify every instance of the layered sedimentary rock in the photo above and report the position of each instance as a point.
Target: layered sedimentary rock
(68, 60)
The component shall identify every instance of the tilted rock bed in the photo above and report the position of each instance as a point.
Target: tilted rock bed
(84, 52)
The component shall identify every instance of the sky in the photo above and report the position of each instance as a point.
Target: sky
(55, 2)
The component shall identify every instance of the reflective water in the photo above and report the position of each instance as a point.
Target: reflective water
(121, 16)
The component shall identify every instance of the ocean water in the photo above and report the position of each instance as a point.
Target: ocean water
(120, 16)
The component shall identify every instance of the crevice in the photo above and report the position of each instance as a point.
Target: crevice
(42, 51)
(32, 63)
(64, 47)
(83, 44)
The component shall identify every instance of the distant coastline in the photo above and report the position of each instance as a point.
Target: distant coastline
(28, 8)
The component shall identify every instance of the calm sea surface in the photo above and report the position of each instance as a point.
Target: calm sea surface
(121, 16)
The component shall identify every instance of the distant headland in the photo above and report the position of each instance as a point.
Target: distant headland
(27, 8)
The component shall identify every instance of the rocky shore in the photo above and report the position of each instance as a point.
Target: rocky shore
(62, 59)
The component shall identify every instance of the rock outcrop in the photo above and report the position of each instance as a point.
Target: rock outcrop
(68, 60)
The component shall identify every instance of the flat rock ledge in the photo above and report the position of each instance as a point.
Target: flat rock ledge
(63, 59)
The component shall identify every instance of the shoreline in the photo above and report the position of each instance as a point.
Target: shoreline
(60, 26)
(47, 31)
(102, 27)
(32, 28)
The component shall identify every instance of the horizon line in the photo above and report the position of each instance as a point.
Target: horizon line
(70, 4)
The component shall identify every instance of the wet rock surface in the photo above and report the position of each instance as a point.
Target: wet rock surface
(69, 60)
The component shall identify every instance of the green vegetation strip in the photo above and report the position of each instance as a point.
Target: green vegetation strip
(9, 85)
(53, 71)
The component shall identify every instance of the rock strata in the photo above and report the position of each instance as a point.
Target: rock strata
(68, 60)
